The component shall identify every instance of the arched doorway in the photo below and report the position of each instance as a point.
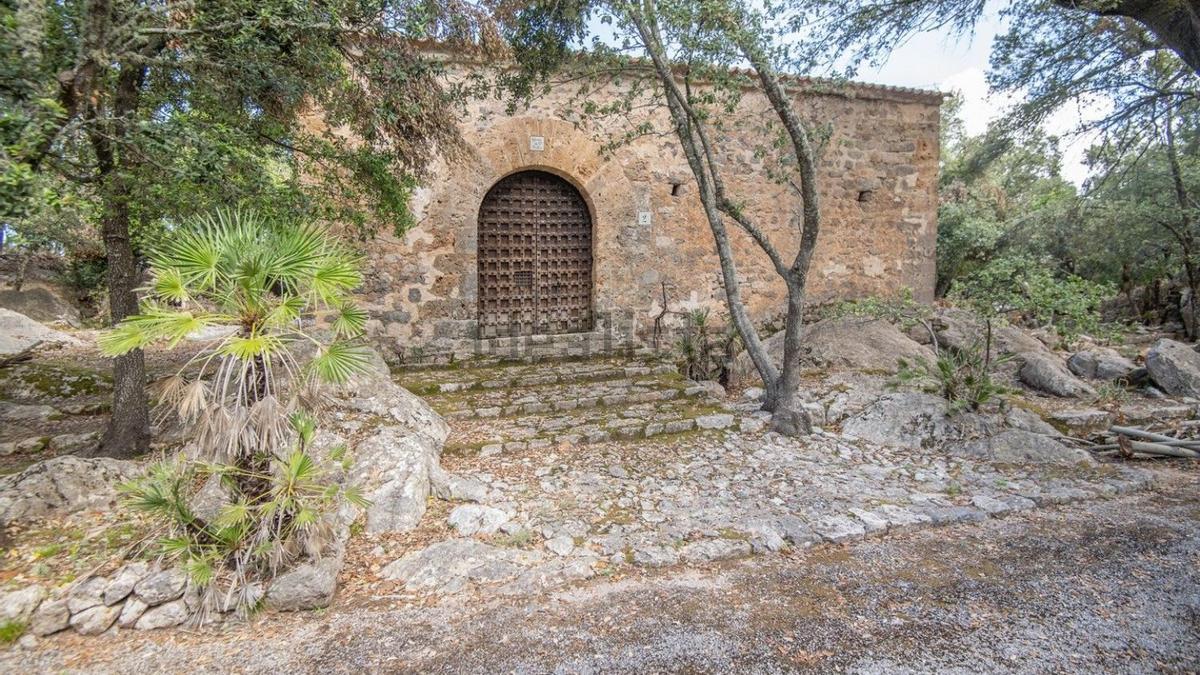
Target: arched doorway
(535, 257)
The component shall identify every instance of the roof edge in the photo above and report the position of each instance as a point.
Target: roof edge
(825, 86)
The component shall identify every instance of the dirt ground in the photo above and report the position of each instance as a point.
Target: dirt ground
(1104, 586)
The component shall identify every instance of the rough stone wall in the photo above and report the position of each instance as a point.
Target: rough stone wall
(878, 177)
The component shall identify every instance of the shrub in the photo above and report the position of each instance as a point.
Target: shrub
(1028, 287)
(250, 397)
(963, 377)
(900, 309)
(704, 353)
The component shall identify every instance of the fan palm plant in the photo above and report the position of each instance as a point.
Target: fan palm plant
(248, 391)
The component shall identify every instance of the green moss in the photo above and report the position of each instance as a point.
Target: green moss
(518, 539)
(11, 631)
(735, 535)
(54, 380)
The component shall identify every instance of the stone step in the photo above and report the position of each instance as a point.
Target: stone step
(551, 398)
(592, 425)
(426, 382)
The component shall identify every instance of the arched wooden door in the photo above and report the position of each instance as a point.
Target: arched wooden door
(535, 257)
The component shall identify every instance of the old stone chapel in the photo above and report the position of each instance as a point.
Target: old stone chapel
(541, 244)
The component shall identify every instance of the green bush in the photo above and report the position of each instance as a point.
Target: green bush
(900, 309)
(703, 352)
(1029, 289)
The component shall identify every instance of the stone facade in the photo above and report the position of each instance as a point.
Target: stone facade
(878, 185)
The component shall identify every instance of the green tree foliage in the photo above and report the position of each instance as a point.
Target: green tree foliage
(158, 110)
(248, 395)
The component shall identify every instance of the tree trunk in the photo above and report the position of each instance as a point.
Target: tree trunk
(128, 433)
(788, 415)
(1184, 235)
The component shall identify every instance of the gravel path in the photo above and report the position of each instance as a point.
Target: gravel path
(1103, 586)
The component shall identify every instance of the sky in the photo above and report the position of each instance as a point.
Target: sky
(931, 61)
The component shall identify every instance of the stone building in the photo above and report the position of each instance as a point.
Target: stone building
(542, 232)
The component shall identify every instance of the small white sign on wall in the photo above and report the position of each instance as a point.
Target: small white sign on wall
(537, 143)
(643, 217)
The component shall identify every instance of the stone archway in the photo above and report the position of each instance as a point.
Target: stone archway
(534, 259)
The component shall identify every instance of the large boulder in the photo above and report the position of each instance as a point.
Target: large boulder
(1100, 363)
(1175, 368)
(959, 329)
(40, 303)
(393, 465)
(1045, 372)
(853, 343)
(1017, 446)
(913, 420)
(19, 332)
(60, 486)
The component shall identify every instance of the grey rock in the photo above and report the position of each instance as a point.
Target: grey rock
(164, 616)
(19, 332)
(309, 585)
(655, 556)
(454, 488)
(872, 522)
(87, 593)
(94, 620)
(561, 545)
(470, 519)
(20, 412)
(161, 586)
(849, 342)
(715, 421)
(991, 505)
(948, 515)
(959, 330)
(393, 466)
(44, 304)
(20, 604)
(131, 611)
(74, 443)
(1027, 420)
(797, 531)
(1082, 422)
(752, 425)
(123, 581)
(548, 575)
(706, 388)
(450, 566)
(1175, 368)
(1045, 372)
(839, 528)
(1014, 446)
(50, 617)
(909, 419)
(61, 486)
(1100, 363)
(707, 550)
(901, 518)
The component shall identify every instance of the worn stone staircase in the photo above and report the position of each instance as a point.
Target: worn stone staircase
(510, 406)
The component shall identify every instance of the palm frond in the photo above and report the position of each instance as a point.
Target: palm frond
(338, 362)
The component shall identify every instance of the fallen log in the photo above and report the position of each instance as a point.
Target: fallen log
(1138, 433)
